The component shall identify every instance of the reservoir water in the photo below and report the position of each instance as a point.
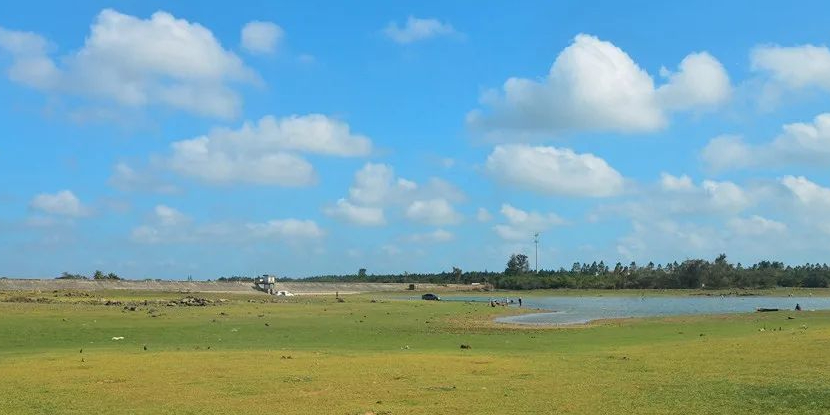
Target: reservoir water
(575, 310)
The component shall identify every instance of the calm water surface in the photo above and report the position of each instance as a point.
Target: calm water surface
(574, 310)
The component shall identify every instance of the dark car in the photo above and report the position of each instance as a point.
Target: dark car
(431, 297)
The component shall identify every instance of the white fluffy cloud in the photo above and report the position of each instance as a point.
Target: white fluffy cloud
(811, 201)
(168, 225)
(264, 153)
(667, 239)
(676, 183)
(261, 38)
(377, 186)
(593, 85)
(679, 197)
(136, 62)
(796, 66)
(62, 203)
(720, 216)
(725, 196)
(807, 192)
(700, 82)
(417, 29)
(433, 212)
(554, 171)
(756, 226)
(798, 143)
(521, 225)
(358, 215)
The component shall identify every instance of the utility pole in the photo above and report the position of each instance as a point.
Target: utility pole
(536, 241)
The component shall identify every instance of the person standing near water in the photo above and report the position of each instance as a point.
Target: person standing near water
(520, 301)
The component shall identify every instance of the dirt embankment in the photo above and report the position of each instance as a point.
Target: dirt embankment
(308, 288)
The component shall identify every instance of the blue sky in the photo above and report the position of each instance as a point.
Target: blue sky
(163, 140)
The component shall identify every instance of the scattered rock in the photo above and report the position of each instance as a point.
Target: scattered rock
(195, 301)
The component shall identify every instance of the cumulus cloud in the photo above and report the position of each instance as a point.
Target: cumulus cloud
(554, 171)
(482, 215)
(436, 236)
(264, 153)
(722, 216)
(63, 203)
(168, 225)
(794, 67)
(261, 38)
(665, 238)
(810, 200)
(798, 143)
(521, 225)
(756, 226)
(700, 82)
(676, 183)
(358, 215)
(725, 196)
(377, 186)
(417, 29)
(433, 212)
(679, 197)
(595, 86)
(807, 192)
(136, 62)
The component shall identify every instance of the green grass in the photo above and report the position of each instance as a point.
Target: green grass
(316, 355)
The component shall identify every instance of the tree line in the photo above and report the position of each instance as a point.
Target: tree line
(97, 275)
(689, 274)
(517, 275)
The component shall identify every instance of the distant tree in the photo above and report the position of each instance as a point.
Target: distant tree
(68, 276)
(517, 265)
(99, 275)
(361, 273)
(456, 273)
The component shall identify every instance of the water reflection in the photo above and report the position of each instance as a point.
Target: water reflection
(574, 310)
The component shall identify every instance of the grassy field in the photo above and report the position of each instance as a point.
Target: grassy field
(378, 355)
